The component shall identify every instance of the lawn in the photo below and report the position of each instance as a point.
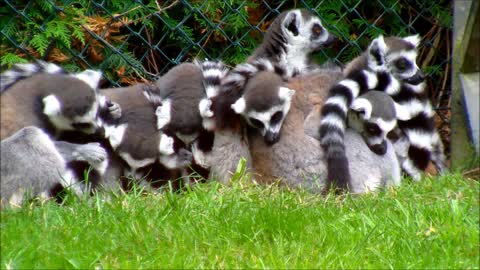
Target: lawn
(431, 224)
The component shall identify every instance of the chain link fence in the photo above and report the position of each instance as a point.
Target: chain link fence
(133, 41)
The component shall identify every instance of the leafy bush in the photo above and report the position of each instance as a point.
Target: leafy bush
(137, 40)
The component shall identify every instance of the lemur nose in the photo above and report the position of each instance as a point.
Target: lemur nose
(271, 137)
(418, 78)
(379, 149)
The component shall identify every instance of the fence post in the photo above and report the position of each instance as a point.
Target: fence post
(465, 82)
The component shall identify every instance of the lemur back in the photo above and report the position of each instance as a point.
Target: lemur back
(136, 138)
(33, 164)
(44, 95)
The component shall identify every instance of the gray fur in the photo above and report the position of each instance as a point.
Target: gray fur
(32, 164)
(140, 140)
(227, 150)
(261, 92)
(22, 71)
(385, 112)
(22, 104)
(183, 86)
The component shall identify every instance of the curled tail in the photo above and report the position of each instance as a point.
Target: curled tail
(22, 71)
(334, 122)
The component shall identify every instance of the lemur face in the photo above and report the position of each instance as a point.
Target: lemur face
(265, 104)
(373, 115)
(305, 31)
(269, 122)
(79, 106)
(398, 56)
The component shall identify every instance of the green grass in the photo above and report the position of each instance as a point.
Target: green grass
(432, 224)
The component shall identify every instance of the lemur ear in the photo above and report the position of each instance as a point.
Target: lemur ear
(239, 106)
(413, 39)
(291, 23)
(90, 77)
(401, 112)
(378, 50)
(51, 105)
(362, 106)
(285, 93)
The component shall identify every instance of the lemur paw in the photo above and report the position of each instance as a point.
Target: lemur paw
(185, 157)
(93, 153)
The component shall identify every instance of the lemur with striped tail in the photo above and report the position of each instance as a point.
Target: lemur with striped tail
(297, 160)
(262, 104)
(389, 65)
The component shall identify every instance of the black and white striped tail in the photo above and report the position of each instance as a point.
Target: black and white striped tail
(334, 119)
(424, 142)
(238, 77)
(213, 72)
(22, 71)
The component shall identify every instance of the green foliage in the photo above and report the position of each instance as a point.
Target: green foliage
(9, 59)
(181, 30)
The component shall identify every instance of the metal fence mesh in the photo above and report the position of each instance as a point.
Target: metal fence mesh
(134, 41)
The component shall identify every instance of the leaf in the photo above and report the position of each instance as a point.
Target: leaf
(39, 42)
(9, 59)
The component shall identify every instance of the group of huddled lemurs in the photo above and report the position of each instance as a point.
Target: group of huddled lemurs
(305, 125)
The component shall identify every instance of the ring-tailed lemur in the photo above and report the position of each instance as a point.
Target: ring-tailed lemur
(285, 51)
(297, 158)
(44, 95)
(373, 115)
(135, 137)
(388, 65)
(194, 86)
(286, 48)
(264, 104)
(33, 164)
(188, 85)
(291, 39)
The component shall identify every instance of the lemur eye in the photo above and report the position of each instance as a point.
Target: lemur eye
(256, 123)
(276, 118)
(393, 136)
(402, 64)
(82, 125)
(373, 129)
(317, 30)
